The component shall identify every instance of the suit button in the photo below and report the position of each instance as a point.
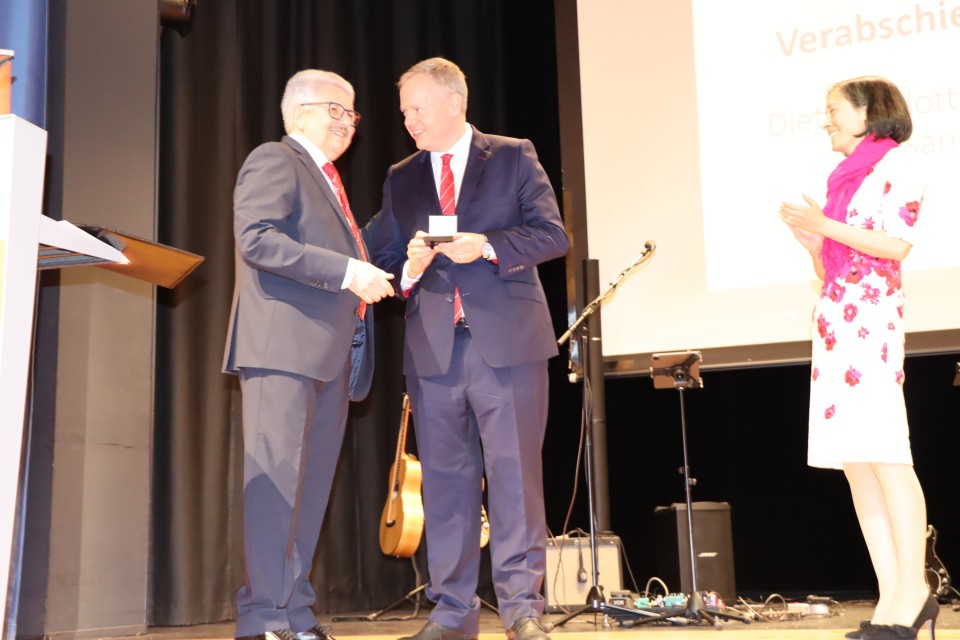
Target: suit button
(449, 298)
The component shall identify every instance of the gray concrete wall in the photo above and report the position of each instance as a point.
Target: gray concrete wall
(97, 526)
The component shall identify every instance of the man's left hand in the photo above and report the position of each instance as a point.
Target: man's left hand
(466, 247)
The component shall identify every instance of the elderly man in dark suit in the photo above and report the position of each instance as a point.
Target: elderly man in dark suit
(301, 340)
(478, 337)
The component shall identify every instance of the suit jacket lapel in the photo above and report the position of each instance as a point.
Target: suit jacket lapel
(428, 184)
(314, 172)
(321, 180)
(476, 164)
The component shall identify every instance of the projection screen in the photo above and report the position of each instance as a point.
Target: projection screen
(698, 118)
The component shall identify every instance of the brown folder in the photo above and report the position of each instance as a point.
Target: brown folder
(151, 261)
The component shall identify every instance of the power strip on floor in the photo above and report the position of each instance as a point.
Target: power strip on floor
(807, 609)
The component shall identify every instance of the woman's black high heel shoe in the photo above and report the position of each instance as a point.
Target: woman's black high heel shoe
(858, 634)
(928, 615)
(889, 632)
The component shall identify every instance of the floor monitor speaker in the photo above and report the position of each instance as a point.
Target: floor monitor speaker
(570, 570)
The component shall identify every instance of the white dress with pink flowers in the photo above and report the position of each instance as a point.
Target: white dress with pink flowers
(857, 411)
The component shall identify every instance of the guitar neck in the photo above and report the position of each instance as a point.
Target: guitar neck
(401, 442)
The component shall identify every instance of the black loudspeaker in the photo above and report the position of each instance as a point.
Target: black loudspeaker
(712, 542)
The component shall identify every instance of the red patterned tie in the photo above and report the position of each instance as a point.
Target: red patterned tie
(334, 176)
(448, 206)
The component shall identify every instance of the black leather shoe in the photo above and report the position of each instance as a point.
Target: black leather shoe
(434, 631)
(278, 634)
(527, 629)
(316, 632)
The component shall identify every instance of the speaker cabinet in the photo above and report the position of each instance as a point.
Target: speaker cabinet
(712, 542)
(570, 570)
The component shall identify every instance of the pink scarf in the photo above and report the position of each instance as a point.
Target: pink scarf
(841, 185)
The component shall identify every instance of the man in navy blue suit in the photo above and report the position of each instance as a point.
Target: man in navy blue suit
(478, 337)
(301, 341)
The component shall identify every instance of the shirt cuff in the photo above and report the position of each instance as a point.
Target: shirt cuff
(348, 276)
(407, 281)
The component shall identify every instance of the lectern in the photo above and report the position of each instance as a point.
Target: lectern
(30, 242)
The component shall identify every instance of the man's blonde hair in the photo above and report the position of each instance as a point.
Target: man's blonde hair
(444, 73)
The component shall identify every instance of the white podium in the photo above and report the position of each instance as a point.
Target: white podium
(30, 242)
(23, 148)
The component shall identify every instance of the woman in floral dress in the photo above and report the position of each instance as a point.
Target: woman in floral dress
(858, 421)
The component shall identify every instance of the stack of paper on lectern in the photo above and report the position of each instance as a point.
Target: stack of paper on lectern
(75, 245)
(68, 245)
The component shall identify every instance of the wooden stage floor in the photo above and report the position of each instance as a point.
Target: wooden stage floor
(843, 618)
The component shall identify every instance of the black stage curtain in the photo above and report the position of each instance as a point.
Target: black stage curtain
(221, 86)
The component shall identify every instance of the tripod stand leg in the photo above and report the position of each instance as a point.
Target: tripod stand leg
(410, 595)
(489, 606)
(697, 609)
(594, 601)
(569, 616)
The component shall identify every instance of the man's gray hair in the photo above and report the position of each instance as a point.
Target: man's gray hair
(303, 86)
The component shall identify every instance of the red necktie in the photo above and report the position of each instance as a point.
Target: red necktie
(448, 206)
(334, 176)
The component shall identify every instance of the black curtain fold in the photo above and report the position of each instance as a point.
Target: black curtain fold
(220, 97)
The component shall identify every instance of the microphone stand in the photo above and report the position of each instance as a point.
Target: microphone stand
(648, 250)
(595, 598)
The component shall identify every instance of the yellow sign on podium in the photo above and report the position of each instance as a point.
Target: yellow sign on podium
(6, 76)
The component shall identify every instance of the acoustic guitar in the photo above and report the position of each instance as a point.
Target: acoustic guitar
(484, 521)
(401, 524)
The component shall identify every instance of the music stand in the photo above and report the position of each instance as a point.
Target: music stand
(681, 371)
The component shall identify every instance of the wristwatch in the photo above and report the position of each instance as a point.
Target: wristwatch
(486, 251)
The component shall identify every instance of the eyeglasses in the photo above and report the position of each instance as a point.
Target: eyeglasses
(337, 111)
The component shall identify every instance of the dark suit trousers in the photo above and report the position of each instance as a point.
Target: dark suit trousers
(472, 419)
(292, 431)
